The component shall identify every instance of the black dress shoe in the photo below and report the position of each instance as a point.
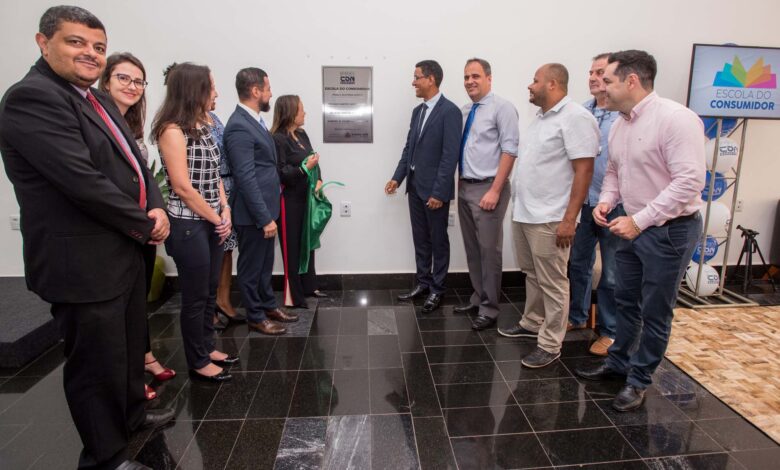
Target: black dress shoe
(431, 303)
(223, 376)
(319, 294)
(416, 292)
(237, 318)
(132, 465)
(157, 418)
(600, 372)
(222, 321)
(629, 398)
(482, 322)
(468, 308)
(228, 361)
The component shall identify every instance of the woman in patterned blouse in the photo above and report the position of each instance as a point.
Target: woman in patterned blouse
(198, 211)
(225, 312)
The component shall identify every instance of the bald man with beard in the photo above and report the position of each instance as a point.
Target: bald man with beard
(550, 182)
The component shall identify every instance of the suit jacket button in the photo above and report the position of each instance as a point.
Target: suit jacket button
(135, 179)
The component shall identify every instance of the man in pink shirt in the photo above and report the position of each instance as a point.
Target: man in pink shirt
(656, 167)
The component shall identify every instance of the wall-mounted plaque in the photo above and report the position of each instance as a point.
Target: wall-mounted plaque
(347, 105)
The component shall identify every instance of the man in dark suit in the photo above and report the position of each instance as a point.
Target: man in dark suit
(428, 163)
(88, 206)
(251, 154)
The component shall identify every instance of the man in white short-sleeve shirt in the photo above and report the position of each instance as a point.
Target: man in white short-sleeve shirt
(550, 182)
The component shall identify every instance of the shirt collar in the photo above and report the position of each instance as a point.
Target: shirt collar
(639, 108)
(558, 106)
(251, 112)
(486, 98)
(432, 102)
(81, 91)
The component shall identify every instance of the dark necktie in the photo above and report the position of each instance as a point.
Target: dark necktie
(422, 120)
(133, 162)
(466, 129)
(419, 131)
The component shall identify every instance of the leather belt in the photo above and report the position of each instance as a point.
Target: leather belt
(475, 180)
(682, 218)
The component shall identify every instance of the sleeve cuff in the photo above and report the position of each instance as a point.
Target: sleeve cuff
(642, 219)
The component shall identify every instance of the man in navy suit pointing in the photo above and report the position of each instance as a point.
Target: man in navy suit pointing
(428, 163)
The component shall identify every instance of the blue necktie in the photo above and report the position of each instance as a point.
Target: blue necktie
(466, 129)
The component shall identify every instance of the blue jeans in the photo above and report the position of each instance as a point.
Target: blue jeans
(650, 269)
(583, 255)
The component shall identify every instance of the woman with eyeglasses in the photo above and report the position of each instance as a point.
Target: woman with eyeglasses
(293, 147)
(124, 79)
(197, 209)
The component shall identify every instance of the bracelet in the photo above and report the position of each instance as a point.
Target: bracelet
(636, 227)
(226, 206)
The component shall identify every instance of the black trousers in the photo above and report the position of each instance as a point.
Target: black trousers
(431, 241)
(194, 246)
(104, 370)
(255, 267)
(150, 256)
(297, 286)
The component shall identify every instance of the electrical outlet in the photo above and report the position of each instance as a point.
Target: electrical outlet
(451, 220)
(738, 206)
(14, 219)
(346, 209)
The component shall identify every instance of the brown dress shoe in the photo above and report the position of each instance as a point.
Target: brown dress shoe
(267, 327)
(601, 346)
(279, 315)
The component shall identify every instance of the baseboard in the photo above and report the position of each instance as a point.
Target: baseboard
(377, 281)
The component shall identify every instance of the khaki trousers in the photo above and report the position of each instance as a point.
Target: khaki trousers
(546, 283)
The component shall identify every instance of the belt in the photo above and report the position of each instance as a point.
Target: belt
(475, 180)
(682, 218)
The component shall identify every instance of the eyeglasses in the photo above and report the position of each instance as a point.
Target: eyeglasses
(418, 77)
(126, 80)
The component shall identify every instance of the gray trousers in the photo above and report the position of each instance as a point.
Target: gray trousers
(483, 237)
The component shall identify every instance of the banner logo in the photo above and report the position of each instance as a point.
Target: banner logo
(735, 76)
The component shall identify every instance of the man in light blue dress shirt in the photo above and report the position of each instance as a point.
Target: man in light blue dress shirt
(583, 252)
(488, 151)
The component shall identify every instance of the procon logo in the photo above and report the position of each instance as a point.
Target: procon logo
(728, 149)
(347, 78)
(735, 76)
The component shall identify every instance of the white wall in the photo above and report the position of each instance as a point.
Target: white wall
(292, 41)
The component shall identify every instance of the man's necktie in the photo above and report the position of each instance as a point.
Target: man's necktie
(419, 131)
(120, 140)
(422, 120)
(466, 129)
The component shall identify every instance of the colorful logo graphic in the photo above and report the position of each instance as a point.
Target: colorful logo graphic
(734, 75)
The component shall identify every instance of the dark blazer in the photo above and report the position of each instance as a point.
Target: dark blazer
(251, 154)
(435, 153)
(291, 155)
(78, 195)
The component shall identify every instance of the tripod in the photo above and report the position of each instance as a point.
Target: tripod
(749, 247)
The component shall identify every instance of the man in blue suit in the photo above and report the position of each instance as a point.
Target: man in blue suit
(251, 155)
(428, 163)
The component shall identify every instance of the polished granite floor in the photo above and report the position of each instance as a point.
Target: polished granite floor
(364, 381)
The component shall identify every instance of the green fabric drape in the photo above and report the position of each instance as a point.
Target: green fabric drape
(318, 213)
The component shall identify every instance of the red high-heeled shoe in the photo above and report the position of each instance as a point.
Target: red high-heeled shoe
(166, 374)
(150, 393)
